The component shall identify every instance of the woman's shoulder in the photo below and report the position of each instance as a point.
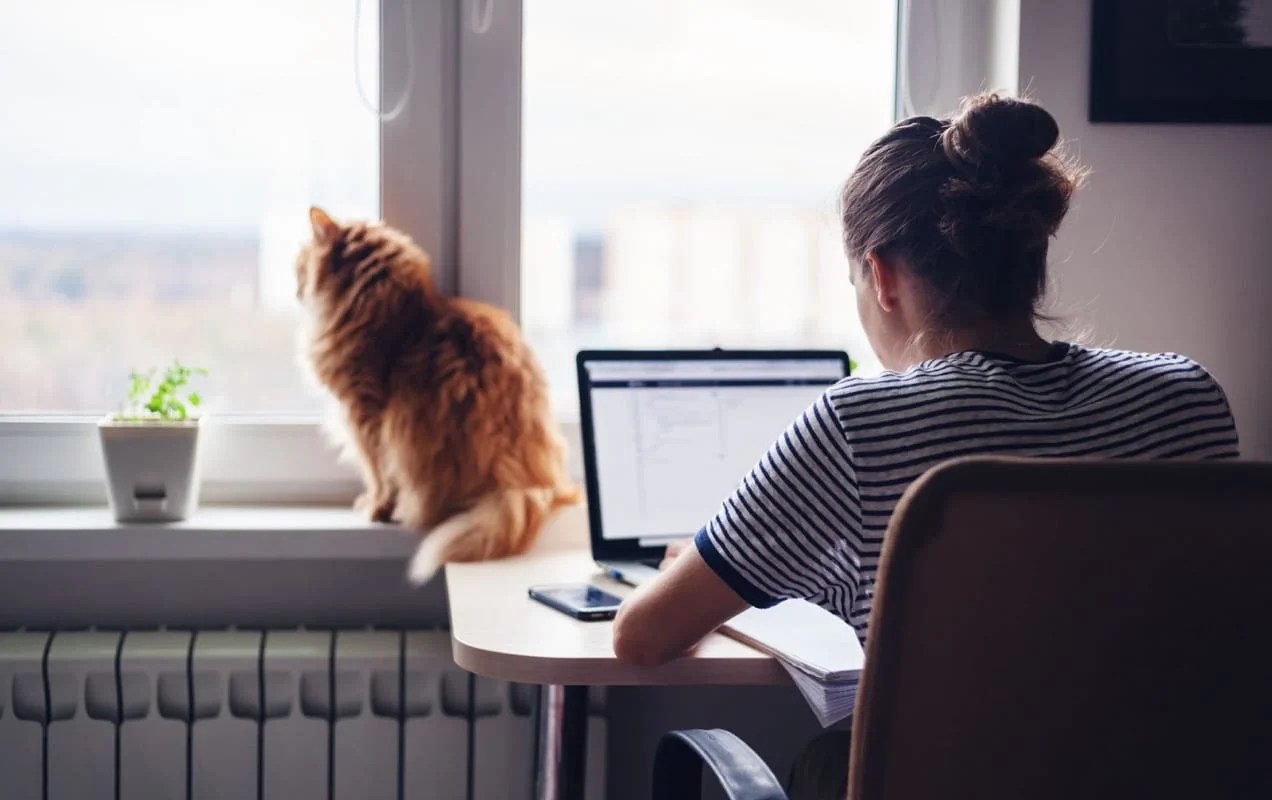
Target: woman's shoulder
(948, 379)
(857, 399)
(1118, 364)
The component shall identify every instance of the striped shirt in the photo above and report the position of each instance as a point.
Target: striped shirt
(808, 522)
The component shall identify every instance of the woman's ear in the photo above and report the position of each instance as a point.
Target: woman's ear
(883, 278)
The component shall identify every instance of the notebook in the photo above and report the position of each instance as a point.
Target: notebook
(819, 650)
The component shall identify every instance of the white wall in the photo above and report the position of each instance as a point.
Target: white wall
(1169, 246)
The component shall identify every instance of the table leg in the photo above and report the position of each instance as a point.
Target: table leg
(562, 756)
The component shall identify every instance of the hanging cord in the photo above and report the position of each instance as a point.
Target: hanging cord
(405, 96)
(903, 58)
(940, 54)
(483, 14)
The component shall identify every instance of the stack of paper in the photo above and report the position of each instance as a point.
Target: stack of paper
(830, 701)
(819, 650)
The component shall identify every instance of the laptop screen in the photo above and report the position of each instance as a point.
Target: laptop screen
(672, 438)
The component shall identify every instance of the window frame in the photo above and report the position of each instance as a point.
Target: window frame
(450, 170)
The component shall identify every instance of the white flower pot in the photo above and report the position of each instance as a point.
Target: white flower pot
(152, 469)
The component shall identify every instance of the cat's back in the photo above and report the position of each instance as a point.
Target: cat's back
(473, 347)
(480, 331)
(483, 322)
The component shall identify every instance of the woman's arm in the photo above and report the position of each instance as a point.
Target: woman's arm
(673, 551)
(669, 615)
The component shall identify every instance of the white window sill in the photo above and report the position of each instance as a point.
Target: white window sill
(222, 533)
(57, 461)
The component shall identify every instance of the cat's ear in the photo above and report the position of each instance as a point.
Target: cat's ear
(325, 228)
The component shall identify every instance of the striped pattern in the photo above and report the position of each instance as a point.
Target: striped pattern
(809, 520)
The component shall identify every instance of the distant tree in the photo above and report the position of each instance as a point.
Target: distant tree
(1202, 22)
(22, 279)
(69, 283)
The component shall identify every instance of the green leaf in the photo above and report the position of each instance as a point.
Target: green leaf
(163, 398)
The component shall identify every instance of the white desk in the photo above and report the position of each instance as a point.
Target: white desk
(499, 632)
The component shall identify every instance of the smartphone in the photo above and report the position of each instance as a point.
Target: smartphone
(579, 600)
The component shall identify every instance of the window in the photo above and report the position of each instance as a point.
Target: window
(158, 160)
(648, 174)
(680, 171)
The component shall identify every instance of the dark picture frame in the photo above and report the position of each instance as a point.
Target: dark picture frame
(1189, 61)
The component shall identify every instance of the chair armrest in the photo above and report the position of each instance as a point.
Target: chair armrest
(678, 767)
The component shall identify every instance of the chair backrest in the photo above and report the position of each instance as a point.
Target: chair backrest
(1071, 629)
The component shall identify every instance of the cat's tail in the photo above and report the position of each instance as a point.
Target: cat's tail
(503, 523)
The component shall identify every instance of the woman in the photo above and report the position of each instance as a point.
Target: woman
(946, 225)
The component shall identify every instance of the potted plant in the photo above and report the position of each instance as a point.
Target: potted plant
(151, 447)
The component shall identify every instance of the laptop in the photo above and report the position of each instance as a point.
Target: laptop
(668, 436)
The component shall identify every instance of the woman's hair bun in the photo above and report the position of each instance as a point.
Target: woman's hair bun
(968, 203)
(998, 131)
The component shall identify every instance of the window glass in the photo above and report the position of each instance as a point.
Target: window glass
(681, 165)
(158, 159)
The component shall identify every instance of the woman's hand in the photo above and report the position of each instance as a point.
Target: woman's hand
(673, 552)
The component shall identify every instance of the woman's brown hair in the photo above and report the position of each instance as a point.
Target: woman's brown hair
(968, 203)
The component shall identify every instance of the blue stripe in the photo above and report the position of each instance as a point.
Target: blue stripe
(745, 589)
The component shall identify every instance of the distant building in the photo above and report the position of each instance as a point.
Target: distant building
(547, 274)
(589, 278)
(701, 276)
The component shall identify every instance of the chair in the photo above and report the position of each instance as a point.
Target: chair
(1055, 629)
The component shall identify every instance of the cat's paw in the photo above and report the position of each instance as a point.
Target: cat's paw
(382, 511)
(377, 508)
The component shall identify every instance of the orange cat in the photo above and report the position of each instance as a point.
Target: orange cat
(446, 410)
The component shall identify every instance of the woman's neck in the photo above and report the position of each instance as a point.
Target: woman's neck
(1017, 339)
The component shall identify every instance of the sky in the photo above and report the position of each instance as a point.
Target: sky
(730, 102)
(182, 114)
(185, 114)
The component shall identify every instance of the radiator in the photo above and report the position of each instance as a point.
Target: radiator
(277, 714)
